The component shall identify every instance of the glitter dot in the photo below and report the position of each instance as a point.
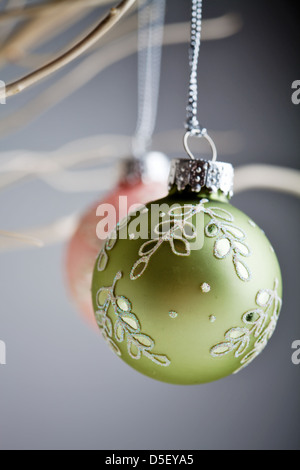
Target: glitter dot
(253, 224)
(205, 288)
(131, 236)
(173, 314)
(272, 249)
(212, 229)
(212, 319)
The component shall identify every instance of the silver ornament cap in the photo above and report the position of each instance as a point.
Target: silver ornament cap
(196, 175)
(153, 167)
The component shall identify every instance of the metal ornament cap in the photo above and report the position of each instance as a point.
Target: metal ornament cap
(154, 167)
(197, 175)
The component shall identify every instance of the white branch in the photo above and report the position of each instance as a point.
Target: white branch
(48, 7)
(100, 60)
(283, 180)
(51, 167)
(35, 32)
(20, 238)
(56, 232)
(273, 178)
(105, 25)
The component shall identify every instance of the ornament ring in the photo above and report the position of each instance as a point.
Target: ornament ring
(199, 134)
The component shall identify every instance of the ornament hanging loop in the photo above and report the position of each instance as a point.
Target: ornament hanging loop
(192, 123)
(200, 134)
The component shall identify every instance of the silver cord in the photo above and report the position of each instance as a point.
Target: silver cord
(192, 123)
(205, 135)
(150, 39)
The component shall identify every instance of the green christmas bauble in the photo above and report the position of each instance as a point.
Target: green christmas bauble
(188, 289)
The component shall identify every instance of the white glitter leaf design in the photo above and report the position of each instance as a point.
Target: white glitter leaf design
(256, 326)
(230, 239)
(237, 339)
(127, 325)
(222, 248)
(179, 231)
(180, 247)
(241, 269)
(103, 256)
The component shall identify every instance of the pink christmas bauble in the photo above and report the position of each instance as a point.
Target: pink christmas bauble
(84, 246)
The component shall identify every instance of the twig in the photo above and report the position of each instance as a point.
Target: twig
(42, 28)
(37, 30)
(100, 60)
(90, 151)
(99, 150)
(51, 167)
(6, 28)
(41, 8)
(63, 229)
(108, 22)
(56, 232)
(20, 237)
(273, 178)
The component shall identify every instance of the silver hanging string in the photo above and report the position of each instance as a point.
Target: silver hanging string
(192, 123)
(150, 39)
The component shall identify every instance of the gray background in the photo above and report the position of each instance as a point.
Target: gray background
(62, 388)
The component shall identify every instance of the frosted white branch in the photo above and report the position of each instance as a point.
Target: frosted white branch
(55, 232)
(105, 25)
(37, 31)
(101, 59)
(274, 178)
(63, 228)
(19, 239)
(51, 167)
(48, 7)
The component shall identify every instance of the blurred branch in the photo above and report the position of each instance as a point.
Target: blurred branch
(51, 167)
(37, 31)
(92, 150)
(108, 22)
(46, 7)
(56, 232)
(214, 29)
(20, 238)
(40, 29)
(63, 228)
(170, 142)
(274, 178)
(8, 26)
(101, 59)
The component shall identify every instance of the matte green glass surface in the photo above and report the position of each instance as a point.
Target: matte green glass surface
(172, 283)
